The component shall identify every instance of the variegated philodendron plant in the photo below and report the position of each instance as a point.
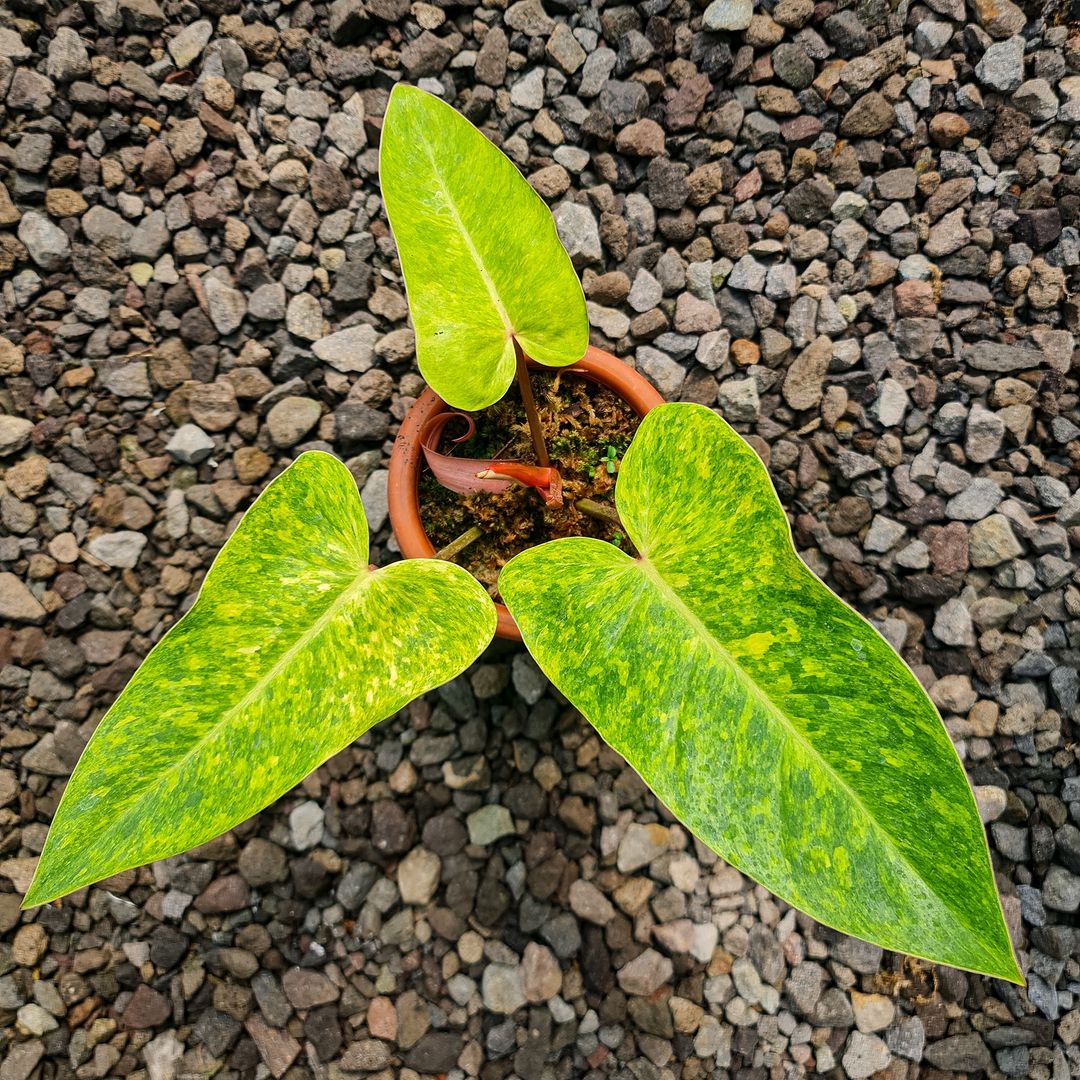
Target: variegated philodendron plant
(768, 716)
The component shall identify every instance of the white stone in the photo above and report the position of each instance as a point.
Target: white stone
(884, 534)
(501, 988)
(864, 1056)
(728, 15)
(119, 549)
(306, 825)
(186, 47)
(190, 444)
(892, 404)
(227, 305)
(14, 433)
(304, 317)
(578, 232)
(528, 91)
(374, 498)
(645, 293)
(161, 1056)
(953, 626)
(46, 242)
(611, 322)
(347, 133)
(348, 350)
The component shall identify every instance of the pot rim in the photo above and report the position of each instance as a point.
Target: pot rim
(406, 461)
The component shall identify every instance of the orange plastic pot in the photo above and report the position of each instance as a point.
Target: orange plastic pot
(407, 460)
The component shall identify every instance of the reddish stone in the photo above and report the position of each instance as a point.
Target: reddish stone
(949, 549)
(915, 298)
(800, 130)
(382, 1019)
(146, 1009)
(686, 103)
(229, 893)
(947, 128)
(748, 186)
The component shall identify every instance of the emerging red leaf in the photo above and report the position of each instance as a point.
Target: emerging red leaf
(463, 475)
(547, 481)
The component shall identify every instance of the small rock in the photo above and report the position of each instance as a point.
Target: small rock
(227, 306)
(47, 243)
(959, 1053)
(501, 988)
(728, 15)
(803, 383)
(645, 974)
(307, 989)
(953, 626)
(578, 233)
(865, 1055)
(992, 541)
(304, 317)
(306, 825)
(488, 824)
(418, 876)
(641, 844)
(119, 549)
(1002, 65)
(873, 1012)
(291, 419)
(146, 1009)
(14, 434)
(540, 973)
(17, 603)
(589, 903)
(190, 444)
(349, 350)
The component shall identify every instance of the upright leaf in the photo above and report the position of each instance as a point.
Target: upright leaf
(767, 715)
(293, 649)
(481, 258)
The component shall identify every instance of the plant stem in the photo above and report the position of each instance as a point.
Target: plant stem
(599, 510)
(527, 399)
(456, 547)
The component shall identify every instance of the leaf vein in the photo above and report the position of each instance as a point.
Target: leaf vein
(754, 691)
(470, 246)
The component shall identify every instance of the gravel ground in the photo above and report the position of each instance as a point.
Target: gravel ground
(850, 229)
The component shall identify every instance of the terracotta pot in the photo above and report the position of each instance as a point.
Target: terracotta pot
(407, 460)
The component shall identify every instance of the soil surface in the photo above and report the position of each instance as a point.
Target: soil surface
(852, 229)
(587, 429)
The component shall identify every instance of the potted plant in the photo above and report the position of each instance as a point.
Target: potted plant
(768, 716)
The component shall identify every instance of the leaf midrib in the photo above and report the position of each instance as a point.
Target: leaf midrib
(347, 594)
(752, 688)
(474, 253)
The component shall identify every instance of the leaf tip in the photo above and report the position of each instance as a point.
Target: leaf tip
(402, 94)
(38, 893)
(1008, 969)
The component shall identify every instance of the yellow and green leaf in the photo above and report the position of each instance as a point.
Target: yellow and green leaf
(293, 649)
(481, 258)
(768, 716)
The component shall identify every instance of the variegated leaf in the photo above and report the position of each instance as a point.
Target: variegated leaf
(481, 258)
(767, 715)
(293, 649)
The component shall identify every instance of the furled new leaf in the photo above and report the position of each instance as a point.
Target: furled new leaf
(293, 649)
(767, 715)
(481, 258)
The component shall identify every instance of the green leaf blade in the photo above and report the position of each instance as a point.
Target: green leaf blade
(479, 252)
(768, 716)
(292, 650)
